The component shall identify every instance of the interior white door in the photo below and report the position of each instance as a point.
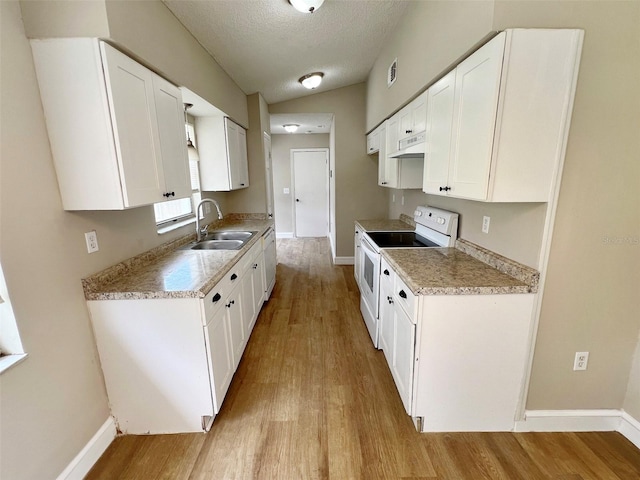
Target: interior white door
(311, 200)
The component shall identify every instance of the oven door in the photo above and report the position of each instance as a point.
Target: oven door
(369, 287)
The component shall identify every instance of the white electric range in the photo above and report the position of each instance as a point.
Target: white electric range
(434, 228)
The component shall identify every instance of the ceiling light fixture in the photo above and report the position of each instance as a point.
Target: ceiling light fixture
(306, 6)
(191, 150)
(311, 80)
(291, 127)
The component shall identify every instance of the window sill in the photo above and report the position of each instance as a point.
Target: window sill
(174, 226)
(8, 361)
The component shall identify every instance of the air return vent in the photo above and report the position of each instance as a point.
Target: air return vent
(392, 73)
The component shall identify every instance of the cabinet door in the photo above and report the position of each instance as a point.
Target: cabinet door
(419, 113)
(257, 278)
(248, 305)
(373, 141)
(476, 104)
(391, 164)
(405, 122)
(220, 355)
(236, 325)
(403, 355)
(382, 155)
(131, 100)
(242, 164)
(438, 135)
(387, 326)
(170, 117)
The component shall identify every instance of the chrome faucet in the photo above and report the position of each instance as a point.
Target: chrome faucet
(205, 200)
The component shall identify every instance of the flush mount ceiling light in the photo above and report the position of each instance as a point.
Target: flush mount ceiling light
(306, 6)
(191, 149)
(311, 80)
(291, 127)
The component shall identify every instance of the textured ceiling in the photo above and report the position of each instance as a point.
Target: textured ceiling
(266, 45)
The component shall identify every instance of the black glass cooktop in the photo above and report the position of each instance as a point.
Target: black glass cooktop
(400, 239)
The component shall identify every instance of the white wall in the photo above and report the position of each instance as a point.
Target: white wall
(632, 397)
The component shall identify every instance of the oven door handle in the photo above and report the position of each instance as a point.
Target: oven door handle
(366, 244)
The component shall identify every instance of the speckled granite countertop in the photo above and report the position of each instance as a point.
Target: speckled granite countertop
(467, 269)
(168, 272)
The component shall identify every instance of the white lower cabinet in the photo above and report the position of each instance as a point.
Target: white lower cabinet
(168, 363)
(458, 361)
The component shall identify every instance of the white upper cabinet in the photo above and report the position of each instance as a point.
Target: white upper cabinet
(116, 128)
(373, 141)
(222, 146)
(497, 125)
(412, 118)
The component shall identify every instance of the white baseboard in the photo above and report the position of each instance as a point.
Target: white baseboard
(581, 421)
(343, 261)
(284, 234)
(91, 452)
(630, 428)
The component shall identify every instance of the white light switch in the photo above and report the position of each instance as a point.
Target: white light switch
(285, 190)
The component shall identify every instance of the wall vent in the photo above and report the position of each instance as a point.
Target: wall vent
(392, 74)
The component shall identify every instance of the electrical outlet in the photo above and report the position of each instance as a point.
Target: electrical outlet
(92, 241)
(207, 208)
(485, 224)
(581, 360)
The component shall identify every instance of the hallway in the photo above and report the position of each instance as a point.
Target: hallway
(312, 399)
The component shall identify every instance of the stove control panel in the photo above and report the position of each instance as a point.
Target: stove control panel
(437, 219)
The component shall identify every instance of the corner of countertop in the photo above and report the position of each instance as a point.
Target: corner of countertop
(521, 272)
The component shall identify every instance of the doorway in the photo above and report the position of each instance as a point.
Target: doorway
(310, 182)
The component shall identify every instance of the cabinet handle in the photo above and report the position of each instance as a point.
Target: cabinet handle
(169, 194)
(386, 272)
(390, 300)
(216, 298)
(402, 294)
(232, 302)
(234, 276)
(445, 189)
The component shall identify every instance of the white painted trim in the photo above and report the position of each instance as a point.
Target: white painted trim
(91, 452)
(284, 234)
(581, 421)
(569, 421)
(630, 428)
(344, 261)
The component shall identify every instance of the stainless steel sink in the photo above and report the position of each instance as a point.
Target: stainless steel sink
(227, 240)
(229, 235)
(216, 245)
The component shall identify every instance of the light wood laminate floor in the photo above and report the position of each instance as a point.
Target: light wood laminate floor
(312, 399)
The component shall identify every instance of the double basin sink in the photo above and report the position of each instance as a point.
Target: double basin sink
(227, 240)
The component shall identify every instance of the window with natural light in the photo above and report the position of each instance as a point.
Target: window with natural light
(176, 213)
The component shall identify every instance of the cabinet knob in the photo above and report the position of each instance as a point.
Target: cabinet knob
(169, 194)
(386, 272)
(216, 298)
(242, 184)
(234, 276)
(297, 199)
(408, 131)
(390, 300)
(232, 302)
(384, 183)
(255, 265)
(445, 189)
(402, 294)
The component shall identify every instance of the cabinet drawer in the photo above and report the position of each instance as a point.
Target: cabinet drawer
(215, 299)
(387, 275)
(406, 299)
